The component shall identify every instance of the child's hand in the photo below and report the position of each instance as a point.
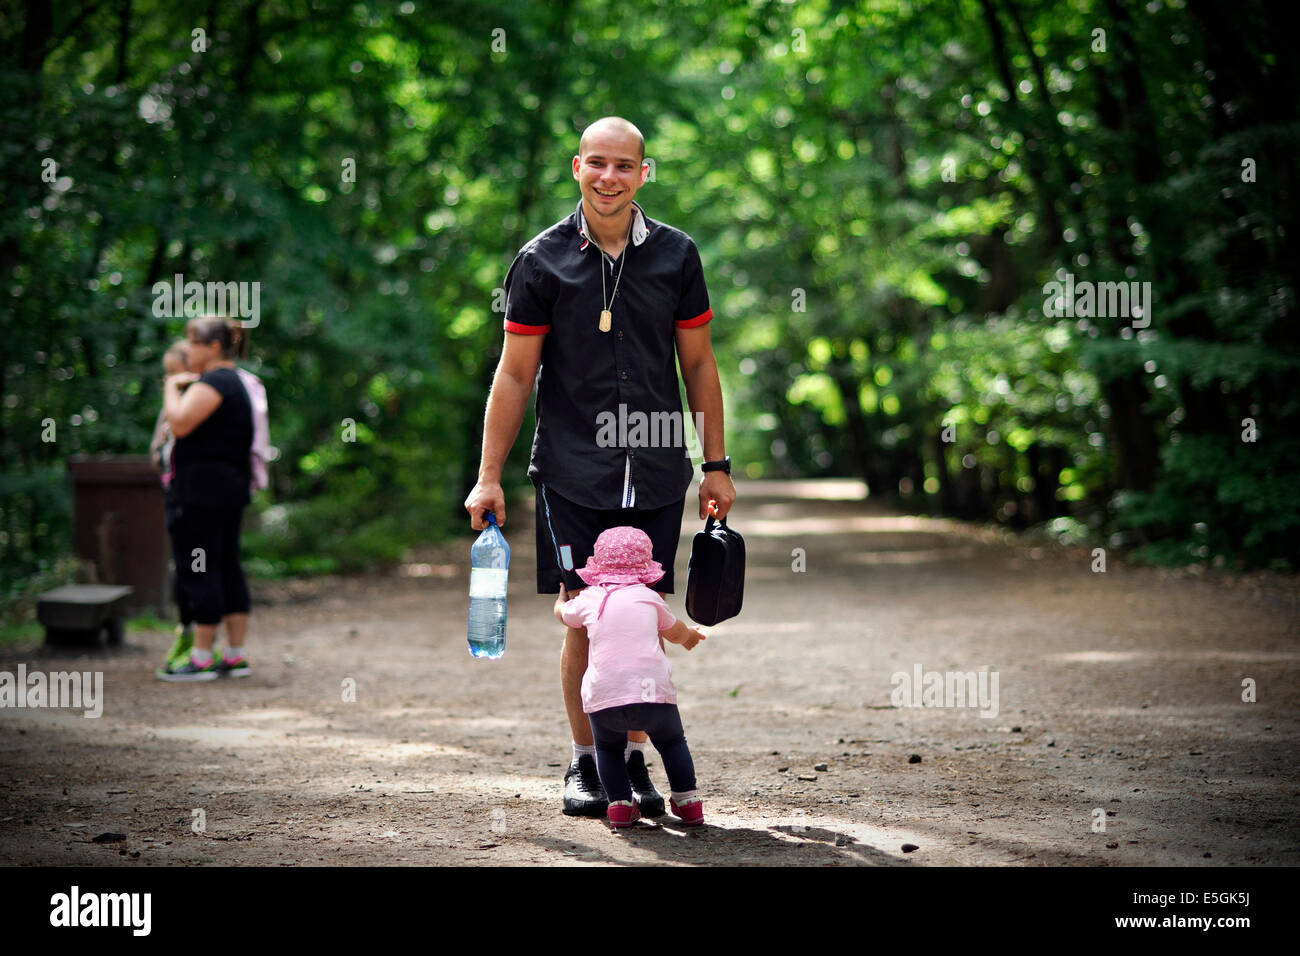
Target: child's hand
(563, 596)
(695, 637)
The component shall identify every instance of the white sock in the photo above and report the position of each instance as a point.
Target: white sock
(200, 657)
(233, 652)
(641, 745)
(681, 798)
(580, 749)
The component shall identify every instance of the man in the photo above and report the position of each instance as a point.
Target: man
(603, 301)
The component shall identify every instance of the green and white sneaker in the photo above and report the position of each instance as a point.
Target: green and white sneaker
(181, 646)
(186, 669)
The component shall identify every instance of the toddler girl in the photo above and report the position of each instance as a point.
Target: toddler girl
(628, 683)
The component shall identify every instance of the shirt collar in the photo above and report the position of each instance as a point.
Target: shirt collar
(639, 228)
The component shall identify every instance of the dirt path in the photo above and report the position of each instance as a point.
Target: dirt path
(1119, 692)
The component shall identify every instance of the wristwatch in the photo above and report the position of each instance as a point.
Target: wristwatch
(723, 465)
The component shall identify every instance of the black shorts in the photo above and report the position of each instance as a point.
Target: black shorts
(567, 532)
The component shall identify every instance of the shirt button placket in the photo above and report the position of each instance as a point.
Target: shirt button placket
(620, 359)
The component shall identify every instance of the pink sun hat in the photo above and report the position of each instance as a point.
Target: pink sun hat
(623, 555)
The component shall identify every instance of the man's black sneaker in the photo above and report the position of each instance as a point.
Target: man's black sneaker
(583, 794)
(648, 800)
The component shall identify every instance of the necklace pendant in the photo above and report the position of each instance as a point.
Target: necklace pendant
(606, 318)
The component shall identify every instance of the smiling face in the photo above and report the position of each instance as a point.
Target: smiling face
(610, 167)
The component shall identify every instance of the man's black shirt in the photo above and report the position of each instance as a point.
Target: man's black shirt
(610, 428)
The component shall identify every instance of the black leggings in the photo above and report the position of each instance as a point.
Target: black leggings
(209, 580)
(662, 723)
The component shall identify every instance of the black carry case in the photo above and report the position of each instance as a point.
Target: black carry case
(715, 577)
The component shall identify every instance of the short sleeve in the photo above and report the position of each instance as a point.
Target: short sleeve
(218, 382)
(526, 308)
(571, 614)
(693, 306)
(666, 617)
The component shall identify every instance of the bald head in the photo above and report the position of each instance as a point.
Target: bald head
(615, 127)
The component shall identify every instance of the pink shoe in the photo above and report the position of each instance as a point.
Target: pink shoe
(622, 814)
(690, 812)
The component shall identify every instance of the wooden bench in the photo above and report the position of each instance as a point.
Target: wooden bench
(83, 614)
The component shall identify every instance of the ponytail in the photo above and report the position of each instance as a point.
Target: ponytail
(238, 339)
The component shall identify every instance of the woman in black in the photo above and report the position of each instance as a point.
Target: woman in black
(211, 417)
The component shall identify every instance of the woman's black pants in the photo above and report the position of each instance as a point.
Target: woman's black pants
(205, 546)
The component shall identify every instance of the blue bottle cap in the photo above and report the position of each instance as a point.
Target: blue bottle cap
(492, 518)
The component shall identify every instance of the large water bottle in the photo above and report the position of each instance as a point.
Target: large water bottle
(489, 564)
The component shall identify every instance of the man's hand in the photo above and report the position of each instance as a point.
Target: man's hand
(716, 485)
(486, 496)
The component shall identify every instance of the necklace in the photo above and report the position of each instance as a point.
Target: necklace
(606, 316)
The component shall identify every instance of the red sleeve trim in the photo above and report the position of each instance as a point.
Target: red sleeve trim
(526, 329)
(698, 320)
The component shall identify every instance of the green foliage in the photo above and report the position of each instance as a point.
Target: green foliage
(880, 192)
(18, 602)
(148, 622)
(348, 529)
(35, 527)
(1220, 498)
(25, 631)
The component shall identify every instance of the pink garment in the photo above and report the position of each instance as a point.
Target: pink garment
(260, 454)
(160, 447)
(169, 461)
(625, 664)
(622, 555)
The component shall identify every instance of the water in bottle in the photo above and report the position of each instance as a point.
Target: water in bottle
(489, 564)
